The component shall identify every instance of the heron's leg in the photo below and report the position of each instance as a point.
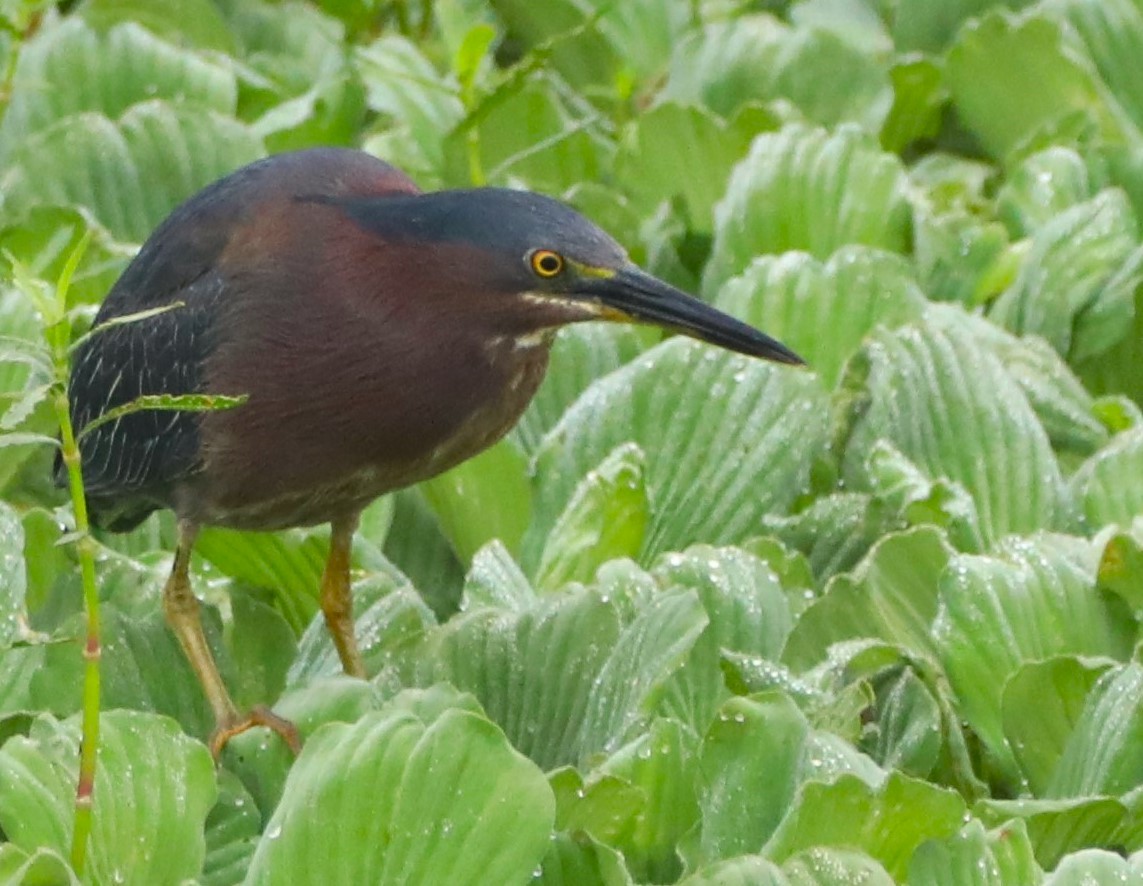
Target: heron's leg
(182, 611)
(336, 600)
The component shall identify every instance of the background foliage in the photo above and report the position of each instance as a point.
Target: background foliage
(699, 618)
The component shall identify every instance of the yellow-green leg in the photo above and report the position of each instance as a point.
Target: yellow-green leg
(336, 598)
(181, 608)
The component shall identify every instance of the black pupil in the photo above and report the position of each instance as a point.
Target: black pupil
(549, 264)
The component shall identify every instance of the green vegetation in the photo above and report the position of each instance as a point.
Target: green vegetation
(699, 619)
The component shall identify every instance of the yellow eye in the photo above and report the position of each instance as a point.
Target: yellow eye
(546, 263)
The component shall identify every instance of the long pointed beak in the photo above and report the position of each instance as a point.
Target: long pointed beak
(634, 295)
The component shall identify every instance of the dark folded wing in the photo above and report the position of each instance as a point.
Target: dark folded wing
(131, 465)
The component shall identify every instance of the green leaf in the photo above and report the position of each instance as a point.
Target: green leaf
(1041, 706)
(563, 678)
(486, 497)
(288, 563)
(581, 354)
(904, 489)
(726, 440)
(1058, 827)
(578, 859)
(471, 54)
(656, 155)
(662, 763)
(232, 830)
(44, 239)
(821, 866)
(13, 612)
(121, 67)
(605, 519)
(262, 645)
(534, 129)
(930, 26)
(1066, 410)
(1046, 81)
(755, 58)
(748, 613)
(649, 650)
(532, 671)
(193, 400)
(1115, 371)
(43, 867)
(1041, 187)
(1104, 753)
(403, 84)
(1121, 564)
(859, 288)
(18, 413)
(382, 777)
(749, 770)
(948, 406)
(1109, 485)
(1034, 600)
(907, 735)
(975, 857)
(198, 22)
(566, 35)
(496, 580)
(165, 402)
(153, 789)
(604, 806)
(298, 85)
(1112, 35)
(962, 251)
(747, 870)
(891, 594)
(416, 546)
(143, 668)
(27, 439)
(919, 98)
(888, 822)
(262, 761)
(1096, 866)
(807, 189)
(834, 532)
(131, 172)
(1077, 286)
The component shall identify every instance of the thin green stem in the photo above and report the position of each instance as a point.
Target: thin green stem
(89, 745)
(57, 332)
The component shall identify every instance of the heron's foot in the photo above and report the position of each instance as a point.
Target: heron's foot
(259, 715)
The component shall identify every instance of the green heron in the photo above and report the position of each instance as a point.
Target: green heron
(380, 334)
